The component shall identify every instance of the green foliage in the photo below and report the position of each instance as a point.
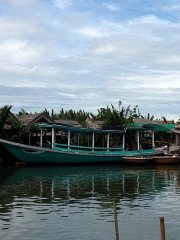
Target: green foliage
(46, 112)
(135, 113)
(14, 131)
(178, 121)
(17, 131)
(4, 112)
(151, 118)
(22, 112)
(110, 116)
(113, 117)
(164, 119)
(79, 116)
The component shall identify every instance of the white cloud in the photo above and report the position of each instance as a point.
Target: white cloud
(63, 3)
(172, 7)
(11, 45)
(89, 31)
(112, 7)
(67, 95)
(105, 49)
(86, 56)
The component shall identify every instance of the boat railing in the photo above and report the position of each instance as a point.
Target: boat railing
(46, 144)
(59, 146)
(99, 150)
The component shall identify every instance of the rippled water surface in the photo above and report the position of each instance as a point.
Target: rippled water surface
(76, 202)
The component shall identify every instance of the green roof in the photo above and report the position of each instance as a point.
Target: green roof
(170, 126)
(81, 130)
(134, 127)
(157, 127)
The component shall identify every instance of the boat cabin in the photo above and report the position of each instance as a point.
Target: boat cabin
(72, 138)
(68, 138)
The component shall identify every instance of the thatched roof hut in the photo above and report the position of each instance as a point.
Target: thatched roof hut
(142, 120)
(94, 124)
(145, 121)
(35, 118)
(69, 123)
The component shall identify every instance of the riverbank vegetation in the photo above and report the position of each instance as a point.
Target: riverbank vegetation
(15, 131)
(120, 116)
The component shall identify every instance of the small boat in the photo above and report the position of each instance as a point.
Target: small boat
(169, 159)
(137, 160)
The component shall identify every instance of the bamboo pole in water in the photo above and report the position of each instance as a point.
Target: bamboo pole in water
(115, 219)
(162, 228)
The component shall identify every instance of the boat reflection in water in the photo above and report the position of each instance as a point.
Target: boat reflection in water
(76, 201)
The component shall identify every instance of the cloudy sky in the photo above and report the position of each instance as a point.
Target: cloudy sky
(86, 54)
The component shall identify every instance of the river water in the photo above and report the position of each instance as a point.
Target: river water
(76, 202)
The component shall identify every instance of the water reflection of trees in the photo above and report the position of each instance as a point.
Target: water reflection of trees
(66, 185)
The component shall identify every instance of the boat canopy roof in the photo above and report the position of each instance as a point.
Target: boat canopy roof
(111, 130)
(83, 130)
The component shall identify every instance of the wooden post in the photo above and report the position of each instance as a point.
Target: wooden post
(162, 228)
(115, 219)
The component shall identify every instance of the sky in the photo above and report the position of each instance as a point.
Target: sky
(87, 54)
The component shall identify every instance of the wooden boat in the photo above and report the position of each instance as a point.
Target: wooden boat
(73, 153)
(137, 160)
(169, 159)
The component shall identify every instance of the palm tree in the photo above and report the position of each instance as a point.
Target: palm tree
(22, 112)
(17, 132)
(4, 112)
(149, 117)
(113, 117)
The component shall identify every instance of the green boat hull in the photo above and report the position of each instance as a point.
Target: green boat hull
(44, 155)
(31, 154)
